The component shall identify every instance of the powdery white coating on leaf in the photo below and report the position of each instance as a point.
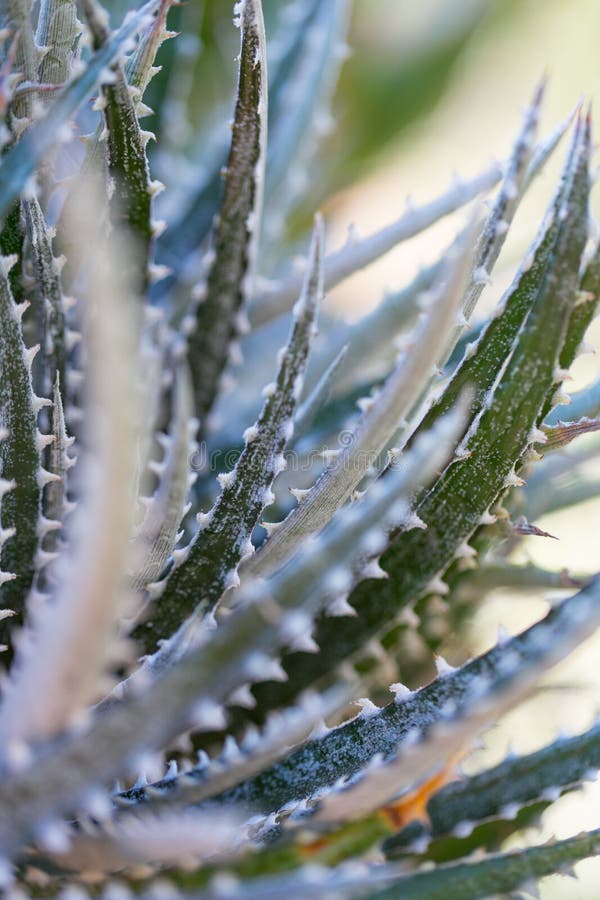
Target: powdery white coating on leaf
(508, 678)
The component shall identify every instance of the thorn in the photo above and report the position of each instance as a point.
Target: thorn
(443, 668)
(522, 526)
(373, 570)
(299, 493)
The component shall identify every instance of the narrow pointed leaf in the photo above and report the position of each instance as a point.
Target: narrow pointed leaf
(358, 254)
(518, 780)
(238, 222)
(64, 650)
(195, 587)
(498, 874)
(49, 302)
(126, 157)
(19, 456)
(59, 461)
(399, 731)
(157, 535)
(16, 16)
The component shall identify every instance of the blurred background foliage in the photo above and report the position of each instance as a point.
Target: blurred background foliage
(402, 58)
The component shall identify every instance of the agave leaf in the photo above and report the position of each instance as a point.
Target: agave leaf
(505, 205)
(583, 312)
(140, 68)
(375, 428)
(484, 359)
(428, 749)
(454, 506)
(238, 222)
(50, 309)
(237, 763)
(56, 506)
(370, 346)
(11, 244)
(224, 539)
(157, 535)
(515, 782)
(22, 476)
(131, 197)
(546, 147)
(64, 651)
(189, 693)
(385, 321)
(494, 874)
(486, 254)
(125, 147)
(521, 168)
(370, 340)
(57, 31)
(19, 163)
(396, 311)
(320, 575)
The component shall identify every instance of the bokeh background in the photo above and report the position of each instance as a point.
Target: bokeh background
(432, 90)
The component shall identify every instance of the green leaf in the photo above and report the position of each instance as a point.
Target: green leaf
(55, 502)
(22, 476)
(238, 221)
(516, 782)
(211, 562)
(16, 17)
(496, 874)
(130, 194)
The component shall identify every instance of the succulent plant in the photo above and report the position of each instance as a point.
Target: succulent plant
(171, 657)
